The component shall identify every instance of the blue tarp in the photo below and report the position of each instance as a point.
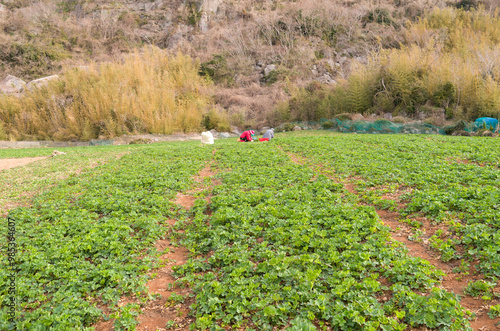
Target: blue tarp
(486, 122)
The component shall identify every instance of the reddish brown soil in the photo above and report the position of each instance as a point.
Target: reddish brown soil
(296, 159)
(104, 325)
(11, 163)
(184, 200)
(205, 172)
(465, 161)
(157, 313)
(453, 282)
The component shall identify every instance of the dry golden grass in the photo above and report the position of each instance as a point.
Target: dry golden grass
(149, 91)
(448, 46)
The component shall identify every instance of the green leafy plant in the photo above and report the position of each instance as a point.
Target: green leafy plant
(463, 268)
(494, 311)
(479, 288)
(279, 244)
(175, 299)
(89, 238)
(126, 318)
(170, 325)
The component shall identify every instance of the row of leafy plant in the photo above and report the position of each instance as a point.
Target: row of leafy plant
(452, 181)
(282, 246)
(89, 241)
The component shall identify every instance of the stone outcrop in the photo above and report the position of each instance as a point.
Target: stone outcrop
(179, 34)
(40, 82)
(3, 10)
(269, 68)
(235, 130)
(208, 10)
(358, 117)
(147, 6)
(11, 85)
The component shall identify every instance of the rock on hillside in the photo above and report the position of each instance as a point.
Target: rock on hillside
(11, 85)
(40, 82)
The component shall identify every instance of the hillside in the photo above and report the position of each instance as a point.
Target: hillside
(38, 37)
(257, 53)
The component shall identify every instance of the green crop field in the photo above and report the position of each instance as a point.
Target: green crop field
(291, 234)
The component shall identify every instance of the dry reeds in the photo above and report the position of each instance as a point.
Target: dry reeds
(451, 59)
(149, 92)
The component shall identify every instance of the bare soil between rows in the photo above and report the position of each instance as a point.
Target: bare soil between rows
(158, 313)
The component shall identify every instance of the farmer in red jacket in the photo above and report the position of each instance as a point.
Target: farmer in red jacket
(247, 135)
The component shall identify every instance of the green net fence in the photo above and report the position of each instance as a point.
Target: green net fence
(382, 126)
(100, 142)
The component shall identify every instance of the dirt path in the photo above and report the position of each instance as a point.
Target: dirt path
(12, 163)
(452, 282)
(156, 314)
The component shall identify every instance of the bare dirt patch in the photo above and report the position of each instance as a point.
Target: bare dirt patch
(205, 172)
(452, 282)
(465, 161)
(184, 200)
(187, 200)
(157, 313)
(12, 163)
(105, 325)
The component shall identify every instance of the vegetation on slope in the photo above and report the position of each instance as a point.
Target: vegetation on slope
(323, 57)
(449, 61)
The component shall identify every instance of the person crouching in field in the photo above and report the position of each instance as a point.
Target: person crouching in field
(268, 135)
(247, 136)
